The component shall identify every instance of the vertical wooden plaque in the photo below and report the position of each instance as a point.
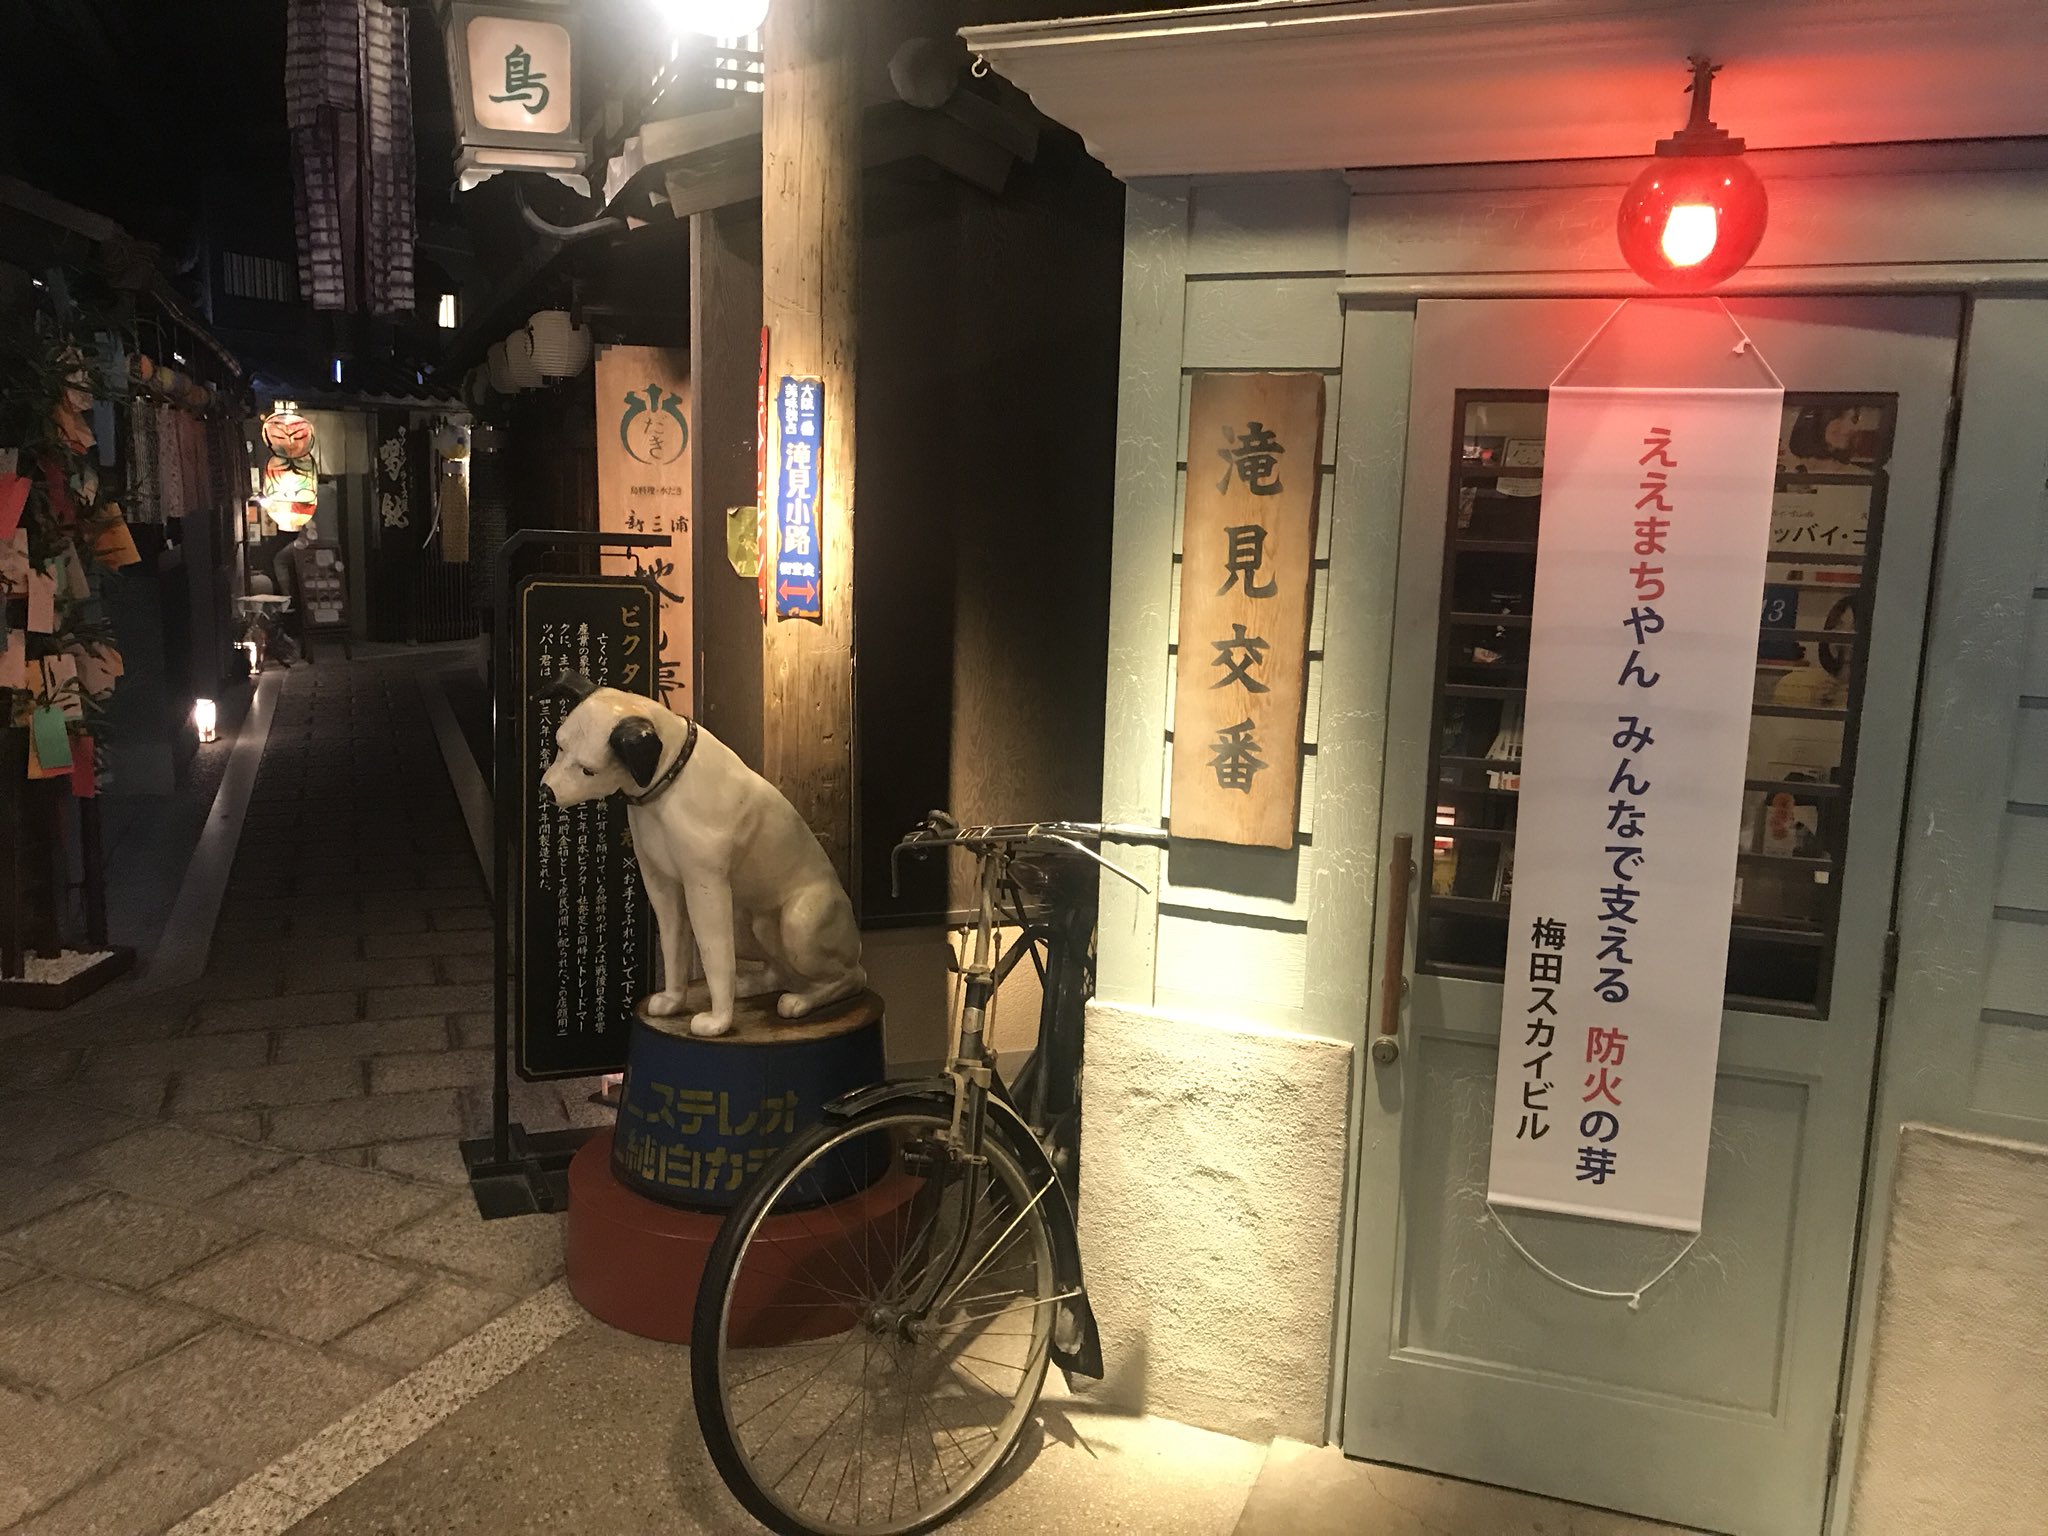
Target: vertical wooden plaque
(643, 486)
(1247, 568)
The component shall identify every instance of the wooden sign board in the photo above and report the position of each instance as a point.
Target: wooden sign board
(1247, 567)
(323, 592)
(584, 935)
(643, 486)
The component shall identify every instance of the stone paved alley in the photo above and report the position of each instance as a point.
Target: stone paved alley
(234, 1211)
(244, 1290)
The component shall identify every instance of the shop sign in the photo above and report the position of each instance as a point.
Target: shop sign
(512, 71)
(1642, 665)
(799, 462)
(584, 933)
(323, 592)
(643, 486)
(1248, 550)
(761, 571)
(519, 74)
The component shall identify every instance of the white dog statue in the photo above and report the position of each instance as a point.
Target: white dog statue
(720, 850)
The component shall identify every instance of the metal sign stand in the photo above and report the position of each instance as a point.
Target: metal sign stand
(514, 1171)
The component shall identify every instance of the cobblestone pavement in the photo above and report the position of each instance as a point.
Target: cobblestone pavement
(231, 1213)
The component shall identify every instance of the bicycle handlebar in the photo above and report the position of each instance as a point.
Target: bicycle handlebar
(939, 830)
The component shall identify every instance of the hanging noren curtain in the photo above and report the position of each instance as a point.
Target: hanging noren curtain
(349, 106)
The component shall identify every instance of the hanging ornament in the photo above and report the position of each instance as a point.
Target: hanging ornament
(290, 493)
(1696, 214)
(288, 435)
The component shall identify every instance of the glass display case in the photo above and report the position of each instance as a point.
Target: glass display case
(1827, 515)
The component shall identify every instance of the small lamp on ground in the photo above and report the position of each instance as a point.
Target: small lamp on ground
(206, 719)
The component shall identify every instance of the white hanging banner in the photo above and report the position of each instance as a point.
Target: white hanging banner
(1642, 666)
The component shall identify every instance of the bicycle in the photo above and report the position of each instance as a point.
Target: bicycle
(841, 1354)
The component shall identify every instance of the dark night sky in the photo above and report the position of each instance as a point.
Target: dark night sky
(137, 108)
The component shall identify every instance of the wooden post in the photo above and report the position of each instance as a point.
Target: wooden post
(810, 269)
(725, 355)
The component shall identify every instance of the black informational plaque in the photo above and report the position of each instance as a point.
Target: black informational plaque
(585, 937)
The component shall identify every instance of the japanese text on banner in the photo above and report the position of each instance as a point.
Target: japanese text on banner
(799, 562)
(1650, 566)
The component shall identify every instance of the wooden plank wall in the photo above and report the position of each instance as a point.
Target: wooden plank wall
(2012, 1062)
(1967, 1034)
(1224, 275)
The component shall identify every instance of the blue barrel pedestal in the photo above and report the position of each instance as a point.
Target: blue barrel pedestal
(698, 1118)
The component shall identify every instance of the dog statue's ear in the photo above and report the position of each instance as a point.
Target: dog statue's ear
(637, 745)
(571, 688)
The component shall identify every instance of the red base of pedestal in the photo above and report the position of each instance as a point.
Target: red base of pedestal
(635, 1263)
(632, 1263)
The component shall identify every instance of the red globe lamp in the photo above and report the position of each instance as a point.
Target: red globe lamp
(1696, 214)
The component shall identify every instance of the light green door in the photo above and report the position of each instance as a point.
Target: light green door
(1712, 1405)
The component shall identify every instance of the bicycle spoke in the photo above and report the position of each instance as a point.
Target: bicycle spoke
(900, 1412)
(843, 1348)
(786, 1365)
(1030, 1206)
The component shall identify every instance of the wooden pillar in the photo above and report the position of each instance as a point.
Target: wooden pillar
(725, 358)
(810, 270)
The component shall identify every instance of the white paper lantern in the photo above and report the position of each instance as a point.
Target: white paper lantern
(520, 371)
(499, 370)
(561, 348)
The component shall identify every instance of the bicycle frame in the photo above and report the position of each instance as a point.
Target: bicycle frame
(970, 1089)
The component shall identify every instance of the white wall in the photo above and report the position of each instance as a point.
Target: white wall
(1237, 950)
(1220, 1061)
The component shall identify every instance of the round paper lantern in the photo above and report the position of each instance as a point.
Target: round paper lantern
(451, 440)
(519, 364)
(288, 435)
(561, 348)
(499, 370)
(291, 496)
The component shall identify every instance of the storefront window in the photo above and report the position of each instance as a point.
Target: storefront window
(1825, 523)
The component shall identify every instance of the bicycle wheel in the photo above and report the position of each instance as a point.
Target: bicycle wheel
(863, 1368)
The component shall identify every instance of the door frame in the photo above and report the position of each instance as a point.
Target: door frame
(1380, 364)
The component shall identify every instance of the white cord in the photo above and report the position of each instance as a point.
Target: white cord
(1634, 1298)
(1744, 344)
(1747, 345)
(1598, 331)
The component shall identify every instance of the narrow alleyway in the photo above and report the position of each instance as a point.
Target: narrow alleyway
(232, 1215)
(233, 1212)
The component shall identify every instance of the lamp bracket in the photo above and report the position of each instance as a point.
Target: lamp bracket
(1700, 135)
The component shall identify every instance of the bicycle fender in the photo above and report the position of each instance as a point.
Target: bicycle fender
(1085, 1357)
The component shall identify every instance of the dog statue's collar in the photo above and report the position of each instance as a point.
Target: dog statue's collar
(674, 770)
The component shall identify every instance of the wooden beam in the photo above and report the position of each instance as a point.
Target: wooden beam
(725, 356)
(810, 241)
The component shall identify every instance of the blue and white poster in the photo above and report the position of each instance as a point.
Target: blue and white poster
(799, 577)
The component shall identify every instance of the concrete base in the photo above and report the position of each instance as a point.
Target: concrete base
(1959, 1365)
(1212, 1186)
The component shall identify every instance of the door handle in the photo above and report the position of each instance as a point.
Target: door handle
(1386, 1047)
